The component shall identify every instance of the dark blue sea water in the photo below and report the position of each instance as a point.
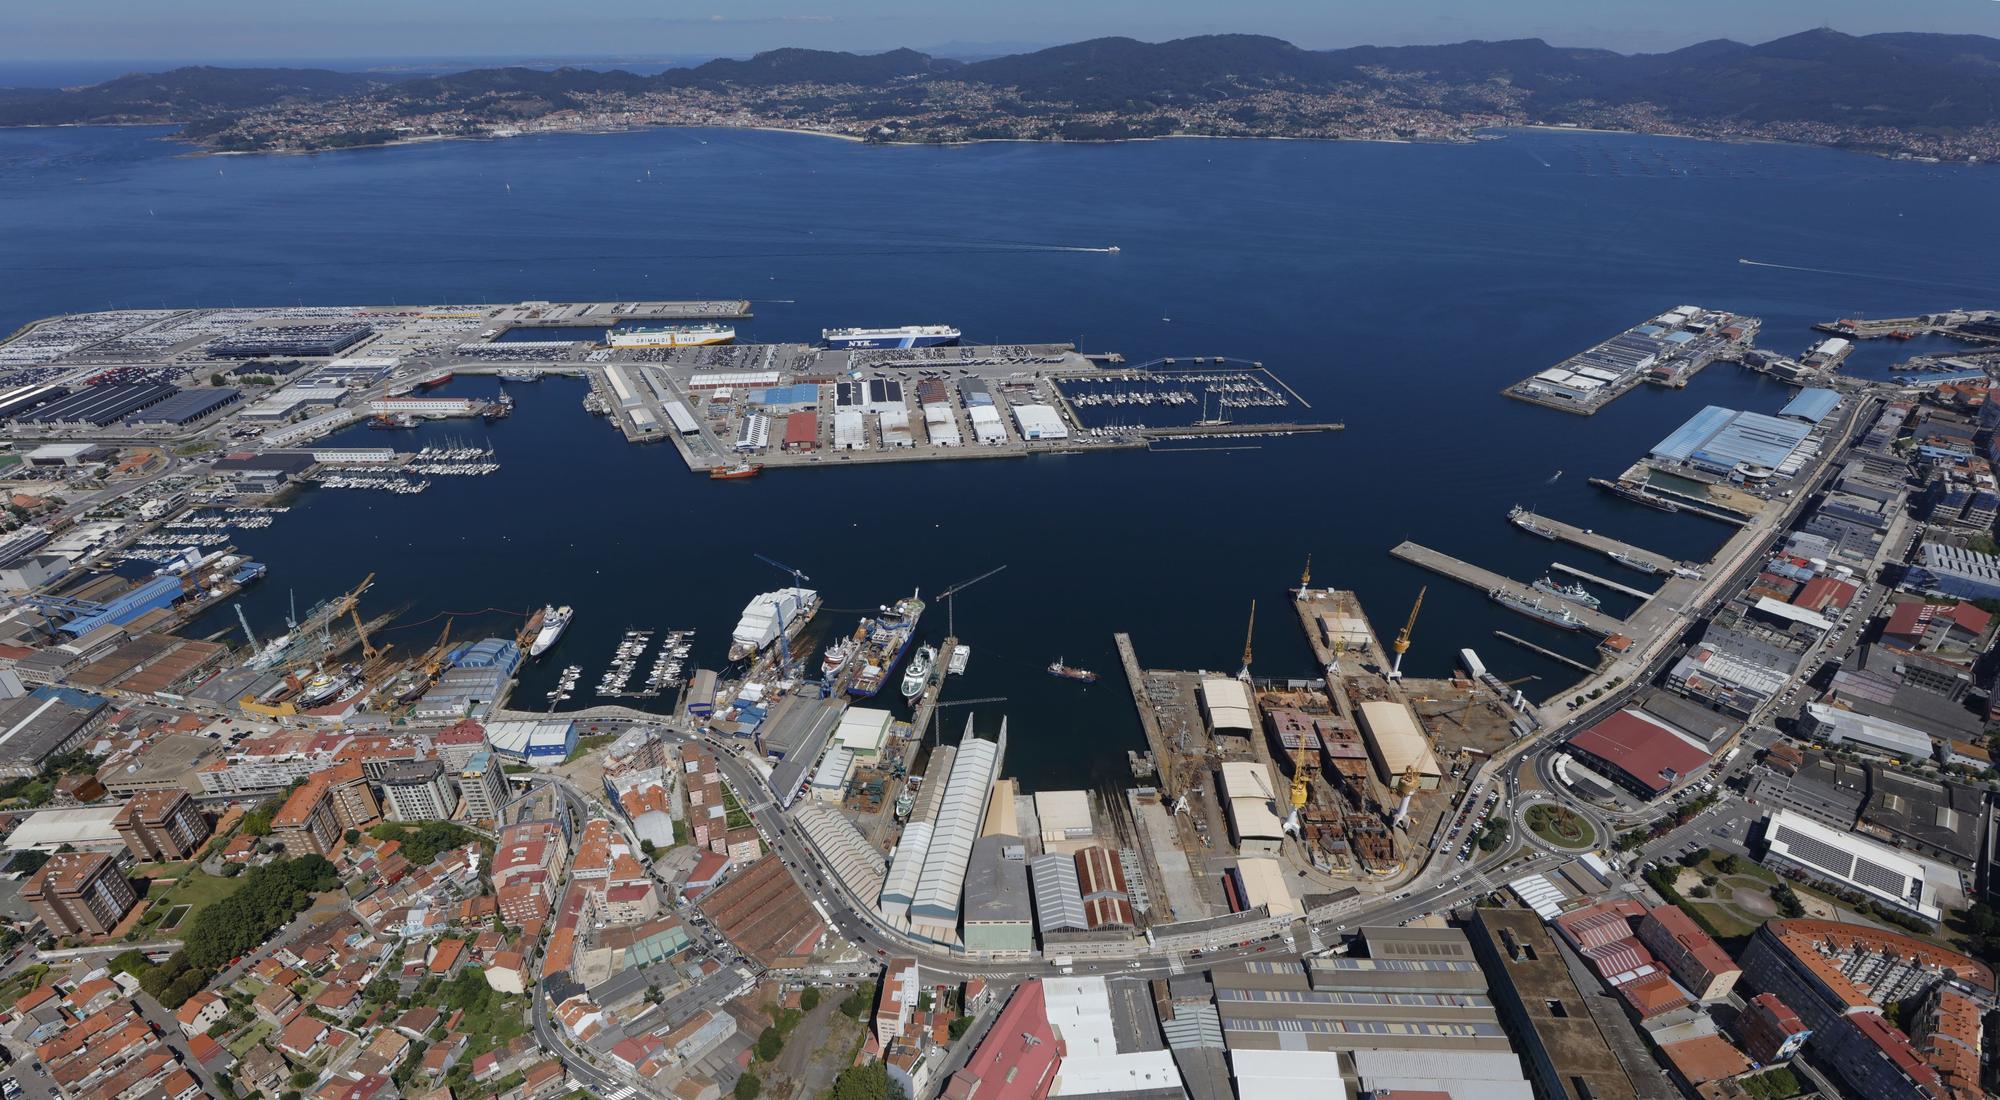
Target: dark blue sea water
(1398, 287)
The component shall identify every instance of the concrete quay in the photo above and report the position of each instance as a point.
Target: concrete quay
(1601, 582)
(1542, 526)
(1594, 622)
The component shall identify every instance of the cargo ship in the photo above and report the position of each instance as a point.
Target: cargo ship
(785, 611)
(1527, 521)
(669, 336)
(882, 641)
(1071, 672)
(919, 672)
(1637, 565)
(1560, 617)
(1574, 592)
(555, 620)
(905, 336)
(434, 379)
(1635, 494)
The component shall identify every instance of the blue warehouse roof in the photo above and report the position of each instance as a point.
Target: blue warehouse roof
(1812, 406)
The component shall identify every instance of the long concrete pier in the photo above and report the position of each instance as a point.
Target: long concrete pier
(1486, 580)
(1156, 738)
(1601, 582)
(1537, 524)
(1549, 653)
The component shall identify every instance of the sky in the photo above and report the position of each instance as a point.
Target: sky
(235, 30)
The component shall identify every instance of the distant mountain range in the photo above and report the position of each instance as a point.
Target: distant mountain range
(1918, 84)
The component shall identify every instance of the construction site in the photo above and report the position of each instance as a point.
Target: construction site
(1348, 777)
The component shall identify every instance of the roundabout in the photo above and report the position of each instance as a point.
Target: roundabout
(1558, 826)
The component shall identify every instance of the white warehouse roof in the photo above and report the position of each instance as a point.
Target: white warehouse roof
(854, 861)
(863, 730)
(959, 819)
(1228, 704)
(82, 827)
(1397, 739)
(1247, 785)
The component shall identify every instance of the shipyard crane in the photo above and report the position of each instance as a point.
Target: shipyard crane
(1243, 674)
(1301, 792)
(247, 632)
(950, 620)
(784, 630)
(1306, 578)
(1403, 640)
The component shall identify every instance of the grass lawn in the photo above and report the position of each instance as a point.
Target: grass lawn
(161, 870)
(250, 1038)
(587, 745)
(21, 983)
(733, 816)
(1773, 1084)
(1560, 827)
(198, 890)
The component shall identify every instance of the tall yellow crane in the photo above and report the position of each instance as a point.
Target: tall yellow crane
(1306, 578)
(1403, 639)
(1248, 631)
(350, 605)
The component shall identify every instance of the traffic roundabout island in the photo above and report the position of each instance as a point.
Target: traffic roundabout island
(1559, 826)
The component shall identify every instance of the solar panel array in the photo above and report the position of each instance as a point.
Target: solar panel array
(1818, 853)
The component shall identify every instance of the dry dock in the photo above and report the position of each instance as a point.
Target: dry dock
(1594, 622)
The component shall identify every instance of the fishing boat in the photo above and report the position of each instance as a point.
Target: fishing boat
(1071, 672)
(835, 656)
(730, 473)
(1527, 521)
(1637, 565)
(961, 655)
(919, 672)
(1555, 615)
(1574, 592)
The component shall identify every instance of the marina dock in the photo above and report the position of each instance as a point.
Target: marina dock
(1601, 582)
(1594, 622)
(1556, 529)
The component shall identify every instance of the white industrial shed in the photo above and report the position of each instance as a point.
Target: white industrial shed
(1252, 802)
(1396, 741)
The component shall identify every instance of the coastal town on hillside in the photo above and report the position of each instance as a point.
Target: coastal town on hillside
(1747, 850)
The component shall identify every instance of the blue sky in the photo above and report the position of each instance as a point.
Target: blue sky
(223, 30)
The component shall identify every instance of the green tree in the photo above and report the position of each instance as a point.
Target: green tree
(748, 1086)
(958, 1027)
(1728, 864)
(809, 999)
(769, 1044)
(866, 1082)
(857, 1003)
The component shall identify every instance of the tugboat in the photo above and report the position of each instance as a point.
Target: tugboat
(919, 672)
(1071, 672)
